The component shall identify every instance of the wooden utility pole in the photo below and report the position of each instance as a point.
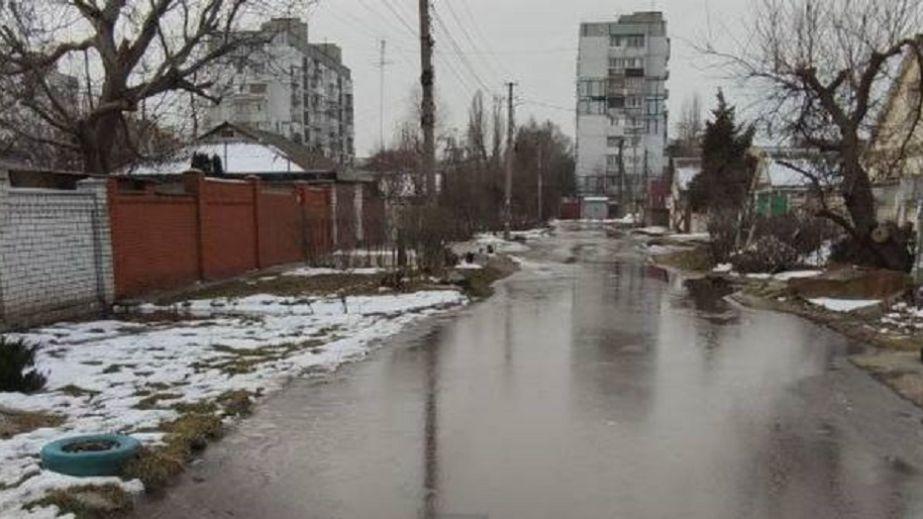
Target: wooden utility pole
(382, 64)
(508, 191)
(541, 169)
(428, 108)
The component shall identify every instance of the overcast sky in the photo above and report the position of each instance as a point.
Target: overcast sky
(531, 42)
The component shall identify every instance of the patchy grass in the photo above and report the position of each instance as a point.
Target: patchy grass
(77, 391)
(88, 501)
(478, 284)
(19, 422)
(286, 286)
(238, 361)
(236, 403)
(157, 467)
(152, 401)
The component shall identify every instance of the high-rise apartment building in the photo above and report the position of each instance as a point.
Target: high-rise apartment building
(622, 72)
(290, 87)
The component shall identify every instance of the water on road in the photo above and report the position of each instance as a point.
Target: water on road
(589, 386)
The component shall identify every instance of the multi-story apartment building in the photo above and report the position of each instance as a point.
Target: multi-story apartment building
(621, 106)
(290, 87)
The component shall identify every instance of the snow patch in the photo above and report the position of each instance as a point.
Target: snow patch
(843, 305)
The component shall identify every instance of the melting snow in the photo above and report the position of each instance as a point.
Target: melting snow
(117, 362)
(844, 305)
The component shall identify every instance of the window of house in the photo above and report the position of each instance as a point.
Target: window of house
(635, 40)
(653, 106)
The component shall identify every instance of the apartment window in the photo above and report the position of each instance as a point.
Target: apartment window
(258, 88)
(634, 72)
(613, 142)
(653, 106)
(617, 102)
(616, 40)
(612, 161)
(635, 40)
(633, 102)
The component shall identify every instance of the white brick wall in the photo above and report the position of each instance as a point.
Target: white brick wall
(55, 253)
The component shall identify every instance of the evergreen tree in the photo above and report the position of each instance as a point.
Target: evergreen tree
(727, 170)
(201, 162)
(217, 166)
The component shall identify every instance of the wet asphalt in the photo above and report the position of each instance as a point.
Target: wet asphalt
(590, 386)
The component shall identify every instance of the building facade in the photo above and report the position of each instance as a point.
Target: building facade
(290, 87)
(622, 73)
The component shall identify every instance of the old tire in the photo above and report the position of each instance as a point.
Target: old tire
(56, 456)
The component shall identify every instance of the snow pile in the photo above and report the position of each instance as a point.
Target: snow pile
(308, 272)
(100, 372)
(484, 240)
(723, 268)
(844, 305)
(785, 276)
(820, 257)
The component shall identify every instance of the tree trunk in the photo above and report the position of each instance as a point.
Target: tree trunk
(97, 138)
(893, 254)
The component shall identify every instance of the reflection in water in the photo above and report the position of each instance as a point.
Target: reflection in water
(430, 431)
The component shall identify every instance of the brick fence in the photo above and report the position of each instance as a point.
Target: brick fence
(168, 236)
(55, 252)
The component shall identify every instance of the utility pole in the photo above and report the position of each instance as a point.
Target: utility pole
(382, 63)
(541, 169)
(508, 191)
(428, 108)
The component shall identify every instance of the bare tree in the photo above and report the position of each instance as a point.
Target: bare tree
(689, 128)
(129, 51)
(824, 68)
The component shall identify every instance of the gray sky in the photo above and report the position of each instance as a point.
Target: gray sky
(531, 42)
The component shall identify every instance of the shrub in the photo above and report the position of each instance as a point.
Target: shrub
(723, 227)
(17, 361)
(767, 254)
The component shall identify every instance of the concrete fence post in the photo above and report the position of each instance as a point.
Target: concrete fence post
(4, 217)
(96, 188)
(256, 188)
(194, 182)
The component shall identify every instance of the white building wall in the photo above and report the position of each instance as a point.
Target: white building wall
(55, 253)
(292, 88)
(622, 113)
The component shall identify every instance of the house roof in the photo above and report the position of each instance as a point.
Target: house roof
(779, 174)
(243, 151)
(684, 176)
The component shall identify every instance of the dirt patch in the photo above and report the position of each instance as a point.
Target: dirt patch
(694, 259)
(285, 286)
(478, 284)
(19, 422)
(853, 283)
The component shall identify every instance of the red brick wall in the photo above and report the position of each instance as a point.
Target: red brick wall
(211, 229)
(282, 239)
(228, 229)
(154, 240)
(316, 203)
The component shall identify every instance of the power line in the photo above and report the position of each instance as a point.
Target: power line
(462, 58)
(547, 105)
(495, 72)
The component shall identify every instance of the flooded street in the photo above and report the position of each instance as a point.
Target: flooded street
(591, 385)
